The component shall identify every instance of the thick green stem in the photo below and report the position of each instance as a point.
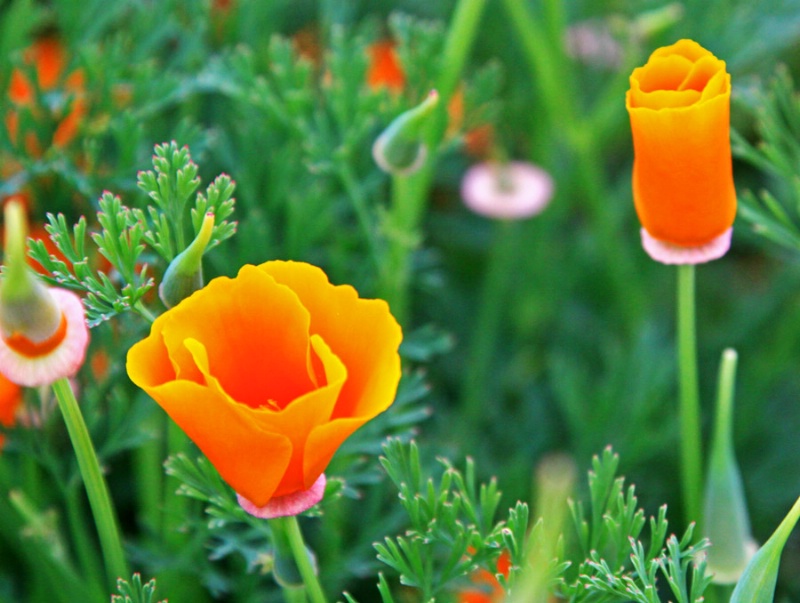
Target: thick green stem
(288, 540)
(691, 449)
(96, 488)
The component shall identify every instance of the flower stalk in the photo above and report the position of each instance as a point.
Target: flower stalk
(689, 405)
(293, 562)
(96, 487)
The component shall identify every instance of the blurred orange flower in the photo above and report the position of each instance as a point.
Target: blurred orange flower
(270, 372)
(384, 67)
(487, 589)
(10, 400)
(49, 59)
(679, 105)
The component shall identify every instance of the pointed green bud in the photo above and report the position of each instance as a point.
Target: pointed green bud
(184, 274)
(726, 521)
(400, 149)
(651, 23)
(757, 584)
(26, 306)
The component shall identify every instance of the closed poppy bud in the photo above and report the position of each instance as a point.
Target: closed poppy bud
(43, 333)
(679, 107)
(184, 274)
(268, 373)
(401, 149)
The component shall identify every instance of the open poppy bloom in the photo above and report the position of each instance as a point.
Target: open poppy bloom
(679, 107)
(268, 373)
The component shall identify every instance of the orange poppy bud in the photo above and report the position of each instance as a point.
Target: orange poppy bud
(269, 372)
(679, 107)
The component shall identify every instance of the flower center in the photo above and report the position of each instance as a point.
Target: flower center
(32, 349)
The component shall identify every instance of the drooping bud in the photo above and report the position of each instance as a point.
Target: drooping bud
(726, 522)
(757, 584)
(43, 333)
(400, 149)
(26, 306)
(184, 275)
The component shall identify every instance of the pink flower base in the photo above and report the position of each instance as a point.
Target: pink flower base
(63, 361)
(669, 253)
(291, 504)
(509, 191)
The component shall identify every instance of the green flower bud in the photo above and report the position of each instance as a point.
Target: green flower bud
(726, 522)
(400, 149)
(26, 306)
(757, 584)
(184, 275)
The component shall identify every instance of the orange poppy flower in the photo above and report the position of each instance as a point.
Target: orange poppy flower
(270, 372)
(49, 60)
(384, 67)
(679, 105)
(10, 400)
(487, 589)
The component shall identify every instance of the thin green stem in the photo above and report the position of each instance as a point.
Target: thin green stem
(488, 319)
(144, 312)
(691, 449)
(360, 206)
(294, 571)
(303, 560)
(96, 488)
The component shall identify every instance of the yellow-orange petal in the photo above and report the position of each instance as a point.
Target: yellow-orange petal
(296, 420)
(256, 334)
(251, 460)
(682, 176)
(362, 333)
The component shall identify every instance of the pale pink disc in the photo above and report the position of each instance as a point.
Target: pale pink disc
(291, 504)
(508, 191)
(669, 253)
(62, 361)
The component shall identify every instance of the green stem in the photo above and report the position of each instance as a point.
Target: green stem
(96, 488)
(552, 73)
(144, 312)
(360, 206)
(489, 316)
(176, 507)
(288, 539)
(691, 449)
(409, 193)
